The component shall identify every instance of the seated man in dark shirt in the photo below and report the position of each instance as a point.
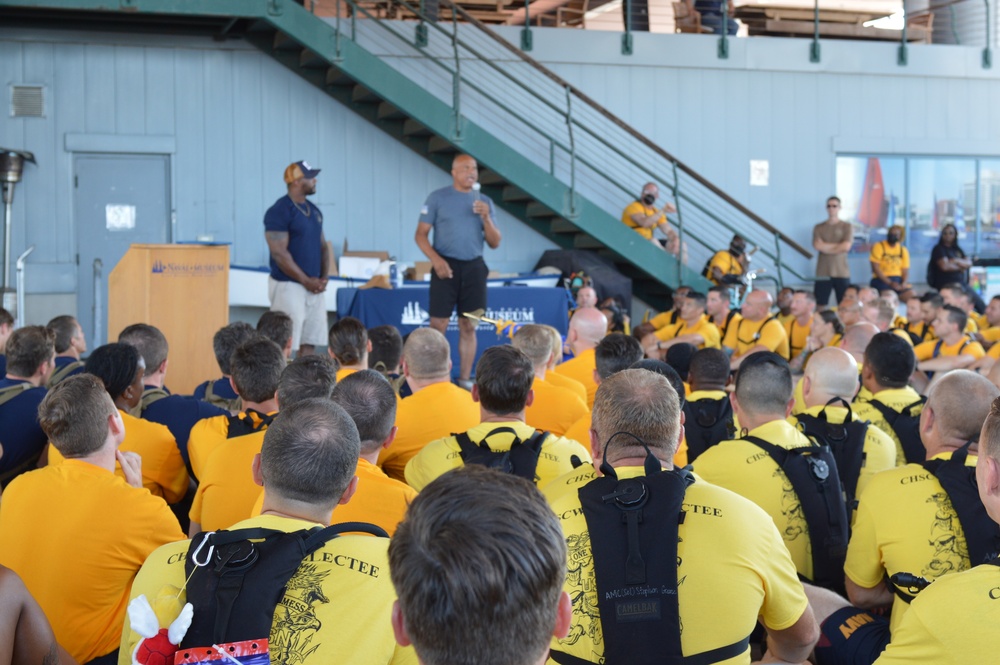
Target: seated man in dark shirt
(70, 343)
(30, 354)
(220, 391)
(6, 328)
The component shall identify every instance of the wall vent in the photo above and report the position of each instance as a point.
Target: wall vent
(27, 101)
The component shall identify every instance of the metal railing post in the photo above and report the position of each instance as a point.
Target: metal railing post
(777, 259)
(675, 190)
(814, 48)
(987, 52)
(901, 58)
(421, 29)
(627, 37)
(456, 79)
(526, 30)
(552, 157)
(336, 36)
(571, 213)
(724, 38)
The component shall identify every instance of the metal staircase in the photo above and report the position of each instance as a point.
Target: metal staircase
(549, 155)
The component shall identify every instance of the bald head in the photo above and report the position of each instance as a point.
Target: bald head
(587, 327)
(960, 402)
(857, 337)
(757, 305)
(831, 372)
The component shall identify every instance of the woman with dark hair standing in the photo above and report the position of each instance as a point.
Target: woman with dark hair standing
(948, 264)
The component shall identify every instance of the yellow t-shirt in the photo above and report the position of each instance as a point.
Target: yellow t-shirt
(227, 490)
(580, 432)
(797, 336)
(896, 399)
(557, 379)
(77, 535)
(878, 451)
(746, 469)
(554, 409)
(703, 327)
(344, 372)
(667, 318)
(581, 368)
(336, 608)
(726, 548)
(747, 334)
(639, 207)
(163, 470)
(929, 632)
(991, 335)
(963, 347)
(923, 331)
(905, 524)
(207, 435)
(430, 413)
(892, 260)
(726, 263)
(379, 500)
(556, 456)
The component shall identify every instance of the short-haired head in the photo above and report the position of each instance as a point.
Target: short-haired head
(961, 400)
(557, 345)
(276, 326)
(387, 349)
(504, 376)
(64, 328)
(857, 337)
(29, 348)
(664, 370)
(306, 377)
(6, 318)
(74, 415)
(256, 368)
(479, 547)
(641, 403)
(348, 341)
(956, 316)
(709, 367)
(679, 357)
(310, 453)
(149, 340)
(535, 342)
(370, 401)
(427, 354)
(616, 352)
(764, 383)
(116, 365)
(227, 339)
(890, 360)
(989, 438)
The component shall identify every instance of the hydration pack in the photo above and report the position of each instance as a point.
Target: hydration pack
(707, 422)
(237, 578)
(520, 460)
(63, 373)
(906, 425)
(846, 440)
(234, 404)
(633, 524)
(812, 472)
(244, 423)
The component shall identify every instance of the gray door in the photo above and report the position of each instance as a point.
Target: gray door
(118, 200)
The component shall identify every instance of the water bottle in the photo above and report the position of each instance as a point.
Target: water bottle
(394, 275)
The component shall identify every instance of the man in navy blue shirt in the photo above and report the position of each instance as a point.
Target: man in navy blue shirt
(70, 344)
(30, 361)
(293, 227)
(6, 328)
(220, 391)
(179, 413)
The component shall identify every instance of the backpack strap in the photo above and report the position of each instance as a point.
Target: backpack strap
(906, 586)
(937, 348)
(242, 424)
(151, 396)
(10, 392)
(63, 373)
(909, 439)
(220, 401)
(520, 460)
(846, 440)
(812, 472)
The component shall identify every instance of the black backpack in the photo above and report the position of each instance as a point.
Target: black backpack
(237, 578)
(707, 422)
(243, 423)
(812, 472)
(847, 442)
(906, 425)
(520, 460)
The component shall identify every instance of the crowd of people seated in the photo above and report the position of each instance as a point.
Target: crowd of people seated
(778, 481)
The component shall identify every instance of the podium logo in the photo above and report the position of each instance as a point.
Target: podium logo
(188, 269)
(414, 315)
(158, 266)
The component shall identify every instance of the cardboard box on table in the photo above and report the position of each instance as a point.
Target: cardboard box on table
(184, 291)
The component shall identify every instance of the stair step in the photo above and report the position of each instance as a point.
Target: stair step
(284, 42)
(312, 60)
(584, 241)
(512, 193)
(336, 76)
(387, 111)
(414, 128)
(560, 225)
(536, 209)
(491, 178)
(363, 95)
(441, 146)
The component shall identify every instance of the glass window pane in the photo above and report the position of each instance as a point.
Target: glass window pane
(942, 191)
(989, 209)
(872, 194)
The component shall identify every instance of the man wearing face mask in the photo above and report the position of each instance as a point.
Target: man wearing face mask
(728, 265)
(890, 262)
(644, 218)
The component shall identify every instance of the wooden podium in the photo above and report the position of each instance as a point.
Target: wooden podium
(184, 291)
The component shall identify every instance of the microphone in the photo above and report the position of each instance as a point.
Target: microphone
(475, 190)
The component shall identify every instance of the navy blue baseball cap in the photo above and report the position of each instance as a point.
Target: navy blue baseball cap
(300, 170)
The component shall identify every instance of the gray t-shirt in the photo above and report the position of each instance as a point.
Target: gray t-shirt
(458, 232)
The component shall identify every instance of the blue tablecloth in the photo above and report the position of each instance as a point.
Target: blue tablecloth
(406, 309)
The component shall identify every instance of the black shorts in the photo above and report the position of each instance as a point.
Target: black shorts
(852, 636)
(466, 288)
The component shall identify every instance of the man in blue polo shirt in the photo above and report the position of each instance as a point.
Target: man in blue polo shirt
(462, 219)
(30, 361)
(70, 344)
(293, 227)
(220, 391)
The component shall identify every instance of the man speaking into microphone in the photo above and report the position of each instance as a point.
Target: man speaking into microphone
(462, 219)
